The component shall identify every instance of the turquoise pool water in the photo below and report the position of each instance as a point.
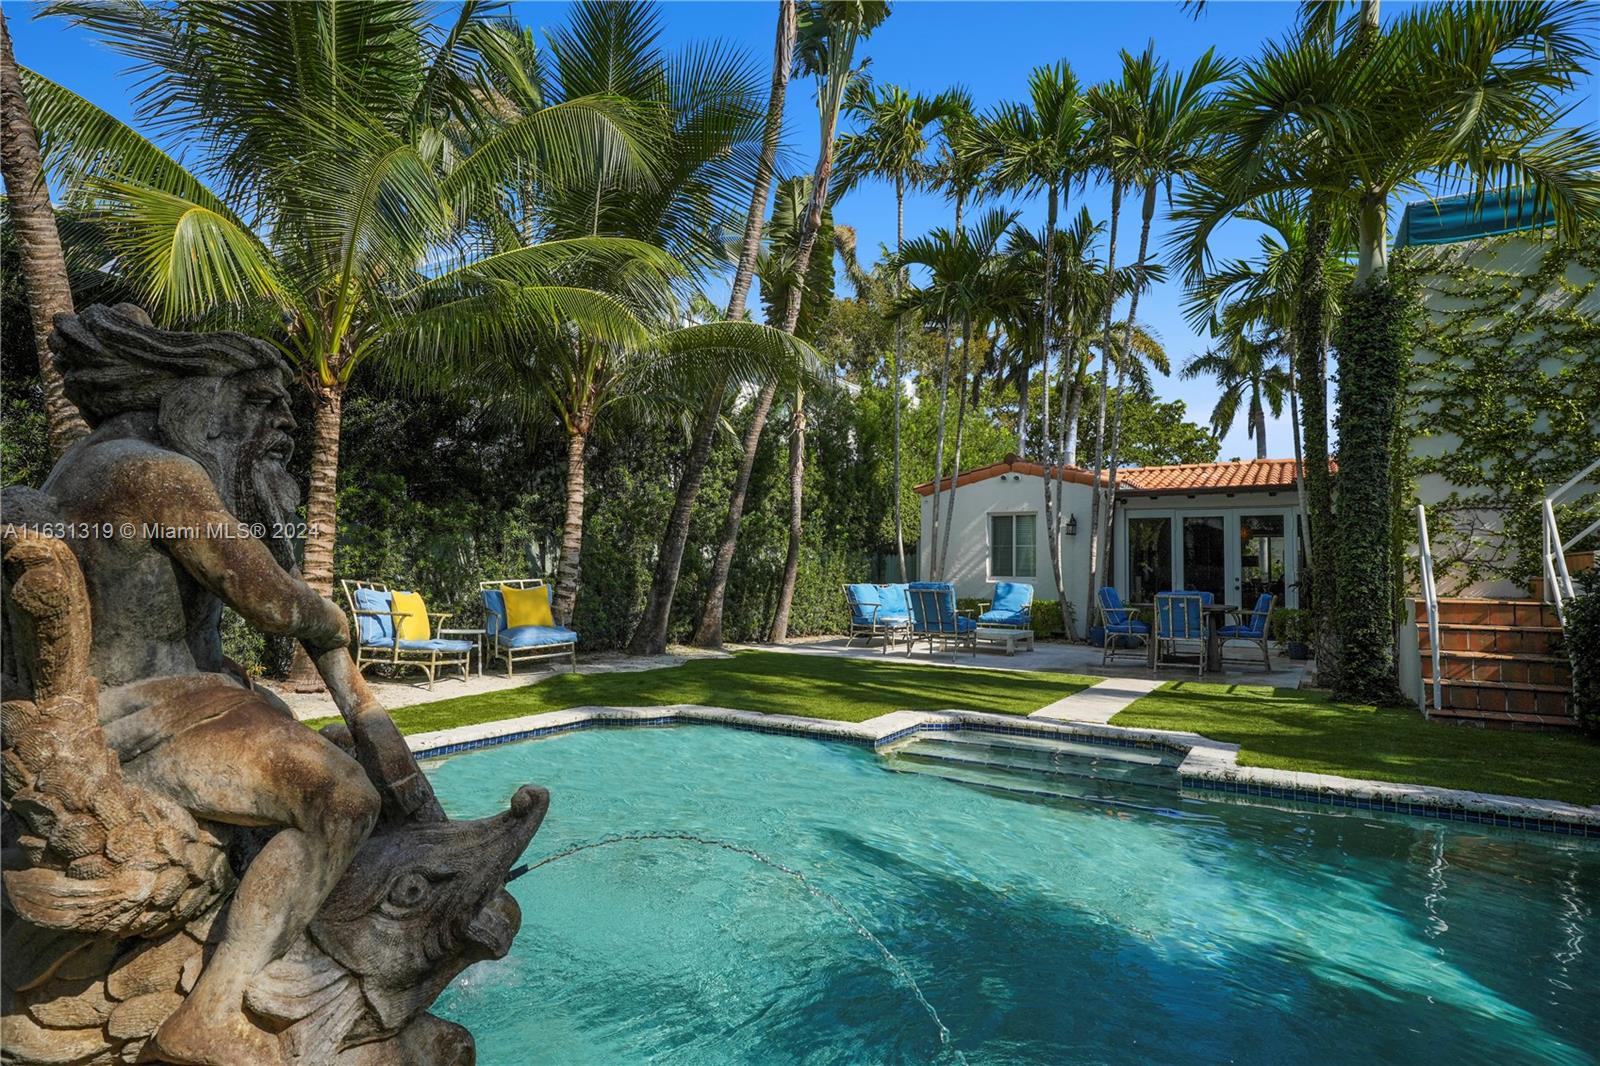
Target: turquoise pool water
(888, 909)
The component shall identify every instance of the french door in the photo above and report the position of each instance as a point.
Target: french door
(1236, 554)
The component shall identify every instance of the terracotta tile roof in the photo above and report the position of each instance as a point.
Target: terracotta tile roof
(1187, 477)
(1210, 477)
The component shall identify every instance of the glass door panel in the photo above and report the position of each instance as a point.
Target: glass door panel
(1262, 557)
(1205, 561)
(1149, 558)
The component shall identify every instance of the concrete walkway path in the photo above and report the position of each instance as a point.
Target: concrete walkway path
(1098, 703)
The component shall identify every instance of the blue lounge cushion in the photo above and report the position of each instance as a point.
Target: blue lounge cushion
(1005, 618)
(429, 645)
(374, 629)
(1012, 596)
(535, 636)
(494, 608)
(865, 603)
(893, 598)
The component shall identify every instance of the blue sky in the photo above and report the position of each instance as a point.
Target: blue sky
(989, 48)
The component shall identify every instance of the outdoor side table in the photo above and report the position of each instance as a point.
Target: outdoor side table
(475, 635)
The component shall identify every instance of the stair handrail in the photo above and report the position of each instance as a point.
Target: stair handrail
(1558, 585)
(1430, 599)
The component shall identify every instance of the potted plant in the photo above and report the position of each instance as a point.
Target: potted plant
(1291, 628)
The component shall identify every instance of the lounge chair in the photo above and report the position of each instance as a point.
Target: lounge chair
(1119, 626)
(877, 611)
(540, 635)
(1181, 628)
(1011, 608)
(1251, 629)
(396, 629)
(934, 614)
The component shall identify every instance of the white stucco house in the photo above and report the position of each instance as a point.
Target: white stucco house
(1227, 528)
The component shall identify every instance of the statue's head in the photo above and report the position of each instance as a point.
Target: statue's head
(222, 399)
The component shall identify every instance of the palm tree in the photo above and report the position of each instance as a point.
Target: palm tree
(1249, 372)
(1158, 135)
(1043, 145)
(43, 264)
(326, 211)
(962, 267)
(891, 145)
(825, 46)
(1457, 94)
(650, 636)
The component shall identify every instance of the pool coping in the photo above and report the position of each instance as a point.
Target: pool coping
(1207, 765)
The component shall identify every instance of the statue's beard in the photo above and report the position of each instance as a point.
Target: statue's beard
(265, 494)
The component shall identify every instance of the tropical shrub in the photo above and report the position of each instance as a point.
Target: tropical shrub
(1583, 648)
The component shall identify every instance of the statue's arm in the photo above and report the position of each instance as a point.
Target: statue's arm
(239, 569)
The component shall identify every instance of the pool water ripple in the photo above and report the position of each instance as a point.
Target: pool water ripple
(1044, 931)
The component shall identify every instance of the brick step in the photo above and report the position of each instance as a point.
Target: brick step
(1504, 640)
(1518, 669)
(1517, 698)
(1471, 611)
(1503, 719)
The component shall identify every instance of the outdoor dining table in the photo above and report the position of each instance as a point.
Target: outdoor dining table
(1213, 613)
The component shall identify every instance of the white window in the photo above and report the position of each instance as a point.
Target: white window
(1013, 545)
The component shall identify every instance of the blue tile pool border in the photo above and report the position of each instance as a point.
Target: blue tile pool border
(1201, 779)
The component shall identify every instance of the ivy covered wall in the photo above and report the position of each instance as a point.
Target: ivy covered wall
(1504, 400)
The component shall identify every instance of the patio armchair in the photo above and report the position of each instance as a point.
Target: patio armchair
(1119, 626)
(934, 614)
(877, 611)
(1251, 629)
(520, 623)
(1181, 628)
(1011, 608)
(396, 629)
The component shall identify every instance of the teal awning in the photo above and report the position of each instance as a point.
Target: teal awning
(1463, 218)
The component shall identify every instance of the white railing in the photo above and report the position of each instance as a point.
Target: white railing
(1430, 599)
(1558, 586)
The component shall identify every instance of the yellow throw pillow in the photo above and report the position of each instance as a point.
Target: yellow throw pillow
(414, 626)
(527, 607)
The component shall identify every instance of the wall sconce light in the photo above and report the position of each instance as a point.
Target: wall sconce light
(1072, 526)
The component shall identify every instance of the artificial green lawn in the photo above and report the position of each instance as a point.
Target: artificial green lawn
(1285, 729)
(815, 686)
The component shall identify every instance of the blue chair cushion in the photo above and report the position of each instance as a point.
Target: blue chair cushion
(1116, 614)
(933, 608)
(1005, 618)
(1011, 596)
(893, 598)
(430, 645)
(534, 636)
(494, 610)
(863, 598)
(379, 629)
(1131, 626)
(1238, 631)
(1178, 615)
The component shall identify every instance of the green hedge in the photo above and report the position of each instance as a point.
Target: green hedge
(1583, 648)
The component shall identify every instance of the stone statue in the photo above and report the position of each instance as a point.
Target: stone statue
(191, 876)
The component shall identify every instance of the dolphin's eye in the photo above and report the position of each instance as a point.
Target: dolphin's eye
(408, 890)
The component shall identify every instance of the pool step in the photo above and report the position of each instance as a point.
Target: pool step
(1043, 768)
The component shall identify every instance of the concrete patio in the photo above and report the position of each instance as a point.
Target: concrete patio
(1052, 656)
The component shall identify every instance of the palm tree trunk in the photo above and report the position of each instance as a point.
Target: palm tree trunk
(1311, 364)
(570, 568)
(1022, 402)
(791, 561)
(1299, 467)
(1047, 308)
(899, 361)
(961, 419)
(1069, 448)
(650, 636)
(1097, 498)
(1258, 419)
(1071, 399)
(934, 570)
(708, 634)
(1124, 354)
(322, 515)
(44, 266)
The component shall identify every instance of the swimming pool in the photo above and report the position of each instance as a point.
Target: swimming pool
(802, 901)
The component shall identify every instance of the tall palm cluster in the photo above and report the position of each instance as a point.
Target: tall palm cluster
(534, 225)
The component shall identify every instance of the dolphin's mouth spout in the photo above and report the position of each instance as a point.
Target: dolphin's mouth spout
(495, 925)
